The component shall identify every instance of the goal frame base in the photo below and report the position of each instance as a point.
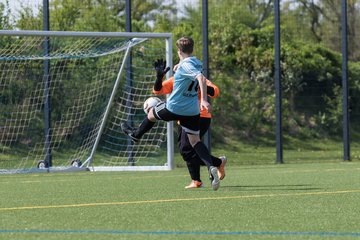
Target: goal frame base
(129, 168)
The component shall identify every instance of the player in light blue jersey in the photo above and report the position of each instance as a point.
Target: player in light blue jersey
(183, 105)
(184, 96)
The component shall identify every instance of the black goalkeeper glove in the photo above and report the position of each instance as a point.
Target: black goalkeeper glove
(161, 70)
(210, 91)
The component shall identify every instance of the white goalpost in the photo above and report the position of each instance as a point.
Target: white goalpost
(64, 95)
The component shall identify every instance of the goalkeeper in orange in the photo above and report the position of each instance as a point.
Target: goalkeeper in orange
(193, 161)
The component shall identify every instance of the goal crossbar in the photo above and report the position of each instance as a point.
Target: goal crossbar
(83, 34)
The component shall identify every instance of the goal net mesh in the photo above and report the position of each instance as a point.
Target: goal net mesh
(77, 86)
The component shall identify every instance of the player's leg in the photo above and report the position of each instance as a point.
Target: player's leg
(218, 162)
(205, 156)
(136, 133)
(221, 168)
(149, 121)
(193, 166)
(191, 158)
(204, 127)
(191, 126)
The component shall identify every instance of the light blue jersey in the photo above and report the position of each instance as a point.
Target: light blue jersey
(184, 98)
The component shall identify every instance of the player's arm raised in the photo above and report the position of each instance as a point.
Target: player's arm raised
(166, 87)
(161, 70)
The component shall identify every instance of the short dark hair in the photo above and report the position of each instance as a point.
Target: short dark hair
(185, 44)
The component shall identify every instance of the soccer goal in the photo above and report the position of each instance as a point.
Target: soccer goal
(63, 96)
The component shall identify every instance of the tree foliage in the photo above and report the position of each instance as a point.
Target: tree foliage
(96, 15)
(5, 22)
(241, 44)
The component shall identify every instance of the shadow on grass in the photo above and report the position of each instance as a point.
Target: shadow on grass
(290, 187)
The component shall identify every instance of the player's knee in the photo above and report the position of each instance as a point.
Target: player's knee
(189, 156)
(193, 139)
(151, 116)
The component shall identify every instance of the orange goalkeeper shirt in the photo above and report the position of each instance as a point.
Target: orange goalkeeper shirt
(167, 88)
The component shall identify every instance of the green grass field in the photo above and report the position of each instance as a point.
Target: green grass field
(288, 201)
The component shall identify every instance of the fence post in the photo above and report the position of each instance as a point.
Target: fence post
(279, 147)
(345, 106)
(129, 75)
(205, 51)
(47, 103)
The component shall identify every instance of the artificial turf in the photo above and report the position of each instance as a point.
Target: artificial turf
(285, 201)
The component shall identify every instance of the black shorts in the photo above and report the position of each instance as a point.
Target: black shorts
(186, 150)
(190, 124)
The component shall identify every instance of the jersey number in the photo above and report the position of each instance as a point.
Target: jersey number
(194, 86)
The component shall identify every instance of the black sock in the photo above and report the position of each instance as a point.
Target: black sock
(144, 127)
(203, 153)
(193, 166)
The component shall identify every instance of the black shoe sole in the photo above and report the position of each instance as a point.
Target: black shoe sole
(127, 130)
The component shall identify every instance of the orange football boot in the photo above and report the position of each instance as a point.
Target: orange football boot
(195, 184)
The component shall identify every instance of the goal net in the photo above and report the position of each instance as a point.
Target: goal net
(63, 96)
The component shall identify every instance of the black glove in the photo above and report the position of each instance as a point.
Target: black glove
(160, 68)
(210, 91)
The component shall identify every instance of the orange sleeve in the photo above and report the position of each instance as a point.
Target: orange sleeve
(216, 89)
(203, 112)
(167, 87)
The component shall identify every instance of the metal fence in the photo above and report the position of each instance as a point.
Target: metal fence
(326, 23)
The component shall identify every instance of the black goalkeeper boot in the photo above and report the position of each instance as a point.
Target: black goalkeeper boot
(129, 131)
